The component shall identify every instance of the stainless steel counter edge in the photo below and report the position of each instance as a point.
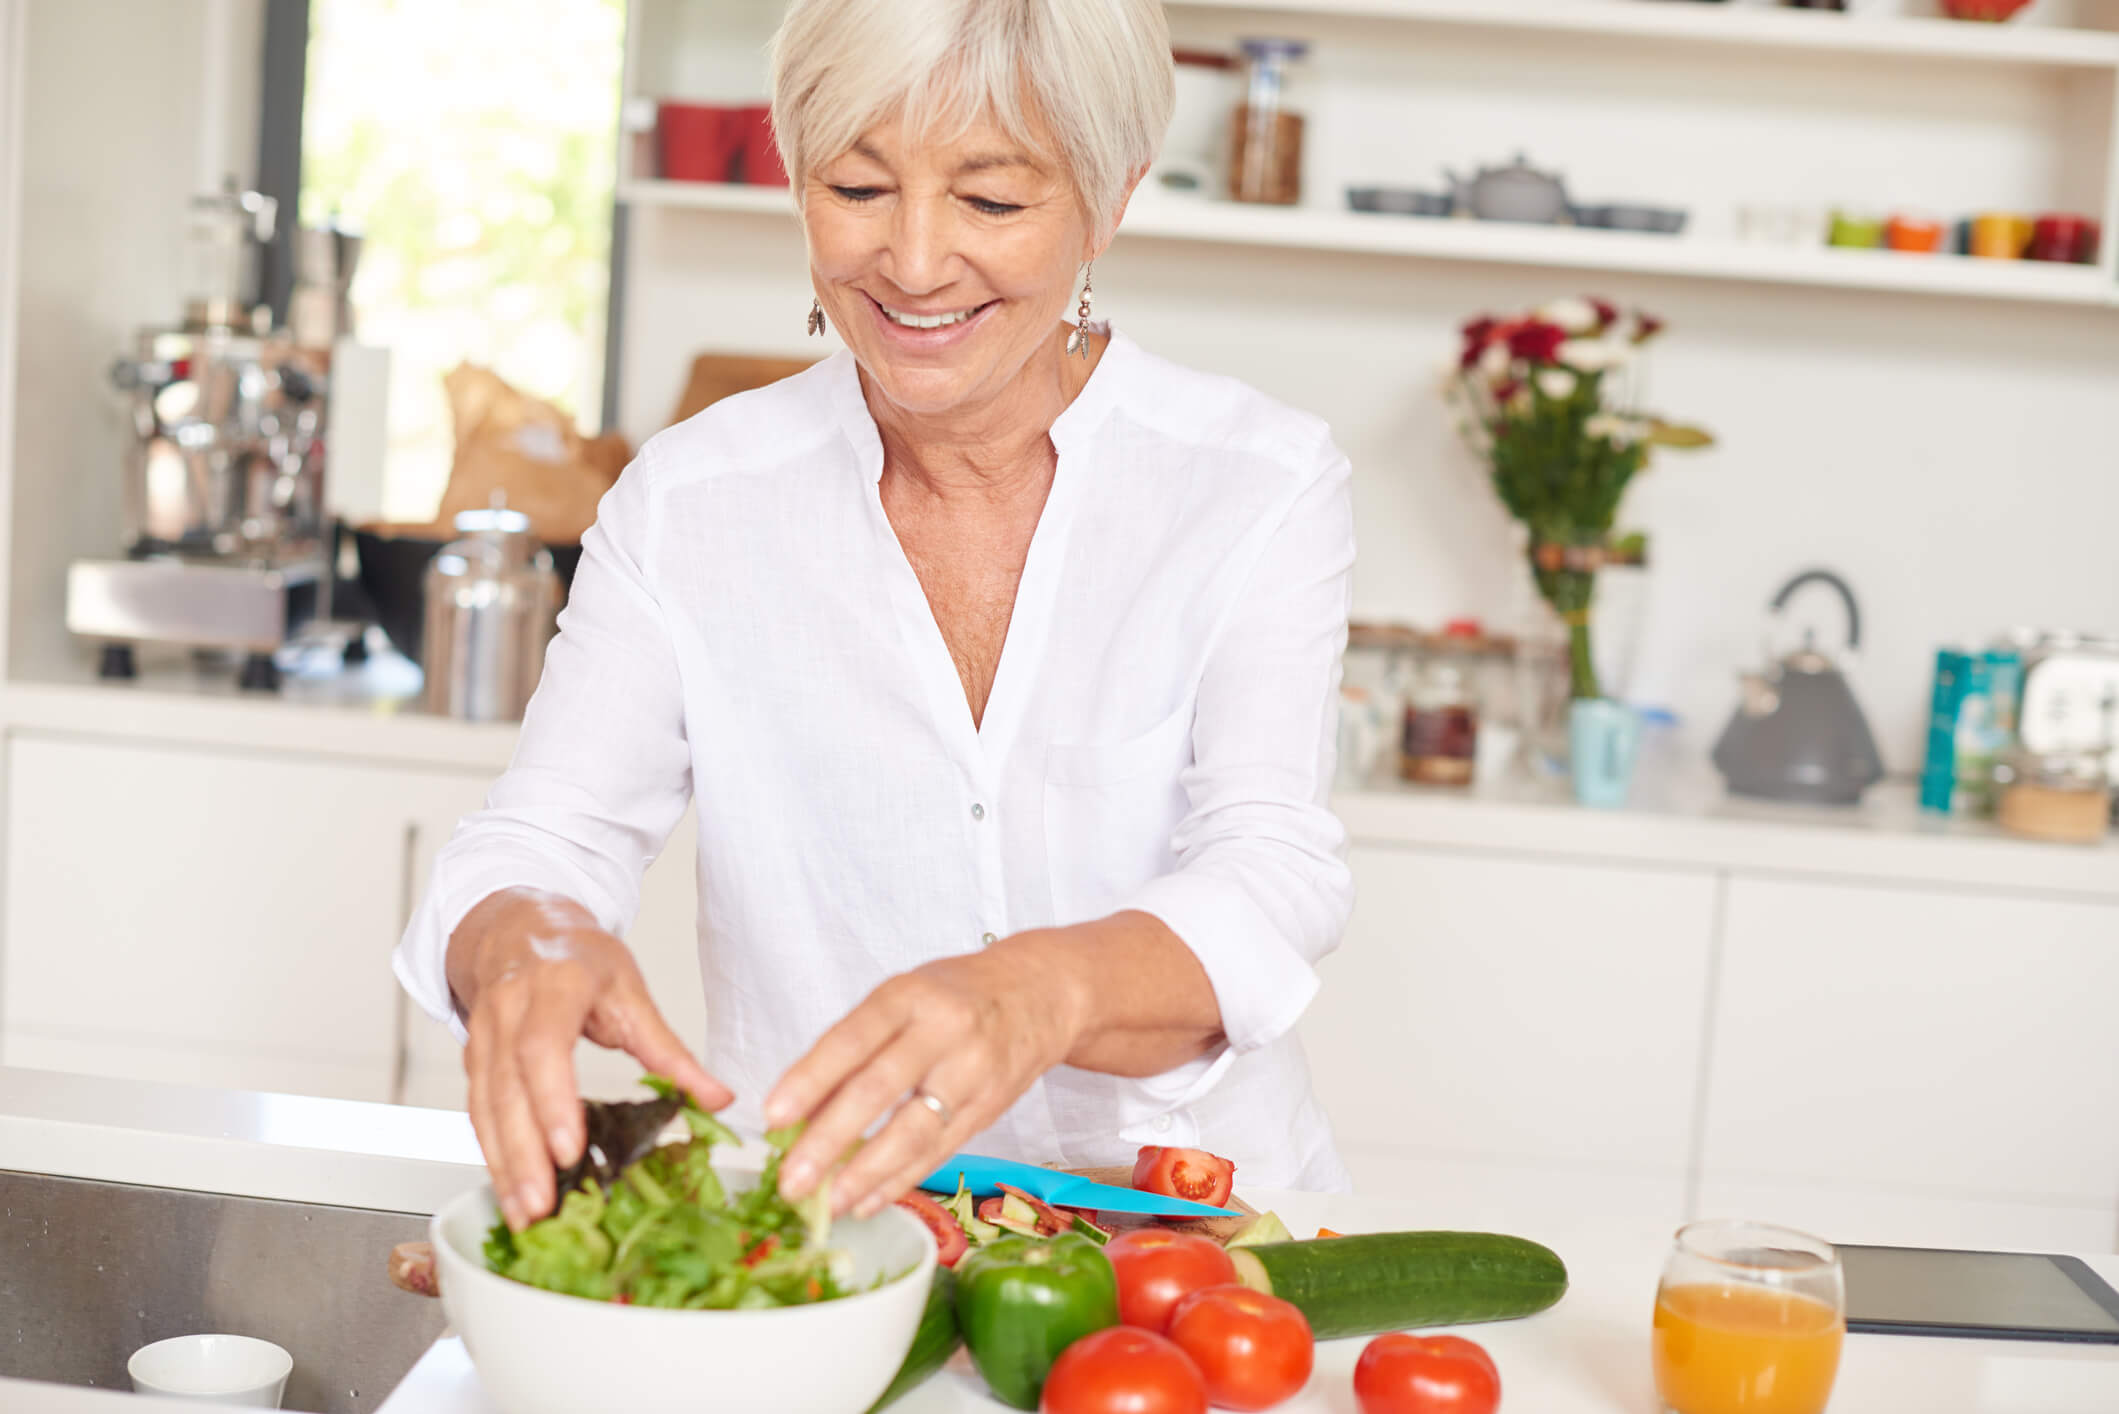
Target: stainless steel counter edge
(344, 1152)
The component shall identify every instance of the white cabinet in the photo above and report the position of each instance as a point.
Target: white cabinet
(206, 916)
(226, 918)
(1917, 1066)
(1512, 1022)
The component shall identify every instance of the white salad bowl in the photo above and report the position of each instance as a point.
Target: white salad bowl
(540, 1352)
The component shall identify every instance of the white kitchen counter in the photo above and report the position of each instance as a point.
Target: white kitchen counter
(1687, 823)
(1588, 1355)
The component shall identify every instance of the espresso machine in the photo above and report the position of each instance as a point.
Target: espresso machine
(227, 539)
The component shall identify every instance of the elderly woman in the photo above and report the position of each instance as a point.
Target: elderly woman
(998, 656)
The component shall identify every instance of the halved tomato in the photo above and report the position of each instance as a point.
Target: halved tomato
(1192, 1174)
(949, 1239)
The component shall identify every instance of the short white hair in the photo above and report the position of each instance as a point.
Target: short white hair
(1097, 73)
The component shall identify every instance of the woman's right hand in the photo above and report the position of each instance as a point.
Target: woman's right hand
(533, 973)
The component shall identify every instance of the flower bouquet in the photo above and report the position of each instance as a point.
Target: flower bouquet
(1550, 402)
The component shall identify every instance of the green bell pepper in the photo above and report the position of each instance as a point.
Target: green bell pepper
(1023, 1300)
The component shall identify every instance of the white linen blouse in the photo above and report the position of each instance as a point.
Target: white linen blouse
(745, 633)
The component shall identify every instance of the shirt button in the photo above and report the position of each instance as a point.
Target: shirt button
(978, 811)
(1162, 1124)
(988, 939)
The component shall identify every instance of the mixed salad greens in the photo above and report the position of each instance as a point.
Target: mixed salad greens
(663, 1231)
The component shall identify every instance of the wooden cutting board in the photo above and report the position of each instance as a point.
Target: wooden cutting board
(1220, 1229)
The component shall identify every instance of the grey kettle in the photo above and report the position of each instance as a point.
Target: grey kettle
(1798, 734)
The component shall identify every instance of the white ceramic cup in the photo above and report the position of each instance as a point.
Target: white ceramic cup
(229, 1369)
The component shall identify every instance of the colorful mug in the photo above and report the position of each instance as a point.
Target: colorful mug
(2062, 237)
(1603, 737)
(2000, 235)
(1914, 233)
(1856, 231)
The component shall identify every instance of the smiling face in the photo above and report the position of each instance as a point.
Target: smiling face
(945, 266)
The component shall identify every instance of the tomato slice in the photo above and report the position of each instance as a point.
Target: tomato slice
(1192, 1174)
(1254, 1350)
(949, 1239)
(1440, 1374)
(1123, 1371)
(1157, 1268)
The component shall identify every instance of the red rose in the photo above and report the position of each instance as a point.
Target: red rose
(1645, 327)
(1477, 335)
(1537, 342)
(1607, 312)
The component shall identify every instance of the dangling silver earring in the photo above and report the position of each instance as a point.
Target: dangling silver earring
(1078, 341)
(816, 317)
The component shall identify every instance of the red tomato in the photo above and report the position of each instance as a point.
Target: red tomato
(949, 1239)
(1123, 1371)
(1254, 1350)
(1184, 1173)
(1437, 1374)
(1158, 1268)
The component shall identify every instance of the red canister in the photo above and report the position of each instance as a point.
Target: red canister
(761, 155)
(2059, 237)
(697, 142)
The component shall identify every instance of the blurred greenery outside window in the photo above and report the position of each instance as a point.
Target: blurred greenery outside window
(473, 143)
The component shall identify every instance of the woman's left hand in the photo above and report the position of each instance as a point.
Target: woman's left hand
(974, 1032)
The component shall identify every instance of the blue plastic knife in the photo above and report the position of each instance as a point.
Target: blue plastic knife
(984, 1177)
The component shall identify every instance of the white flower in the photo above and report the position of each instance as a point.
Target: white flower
(1621, 432)
(1556, 383)
(1576, 316)
(1594, 355)
(1494, 362)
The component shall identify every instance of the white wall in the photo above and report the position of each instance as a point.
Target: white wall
(1954, 458)
(129, 109)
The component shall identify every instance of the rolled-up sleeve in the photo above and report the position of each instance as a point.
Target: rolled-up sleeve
(601, 771)
(1261, 891)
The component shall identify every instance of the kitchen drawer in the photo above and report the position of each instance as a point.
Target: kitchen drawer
(1494, 1008)
(207, 916)
(1919, 1042)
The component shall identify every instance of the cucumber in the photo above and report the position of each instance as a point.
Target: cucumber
(1078, 1223)
(1390, 1281)
(1266, 1227)
(937, 1338)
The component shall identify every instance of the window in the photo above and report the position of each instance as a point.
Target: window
(473, 143)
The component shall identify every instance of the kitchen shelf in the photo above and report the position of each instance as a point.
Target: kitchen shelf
(1574, 248)
(707, 196)
(2020, 44)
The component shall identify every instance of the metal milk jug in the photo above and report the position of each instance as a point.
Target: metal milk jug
(492, 604)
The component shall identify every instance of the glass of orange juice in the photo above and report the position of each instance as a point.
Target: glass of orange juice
(1748, 1320)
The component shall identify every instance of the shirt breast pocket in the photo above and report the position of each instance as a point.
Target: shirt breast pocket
(1110, 811)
